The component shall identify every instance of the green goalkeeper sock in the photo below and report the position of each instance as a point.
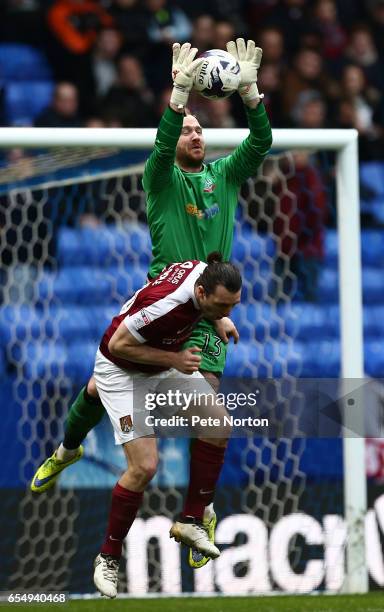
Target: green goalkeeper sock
(85, 413)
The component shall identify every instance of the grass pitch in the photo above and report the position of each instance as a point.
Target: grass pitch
(372, 602)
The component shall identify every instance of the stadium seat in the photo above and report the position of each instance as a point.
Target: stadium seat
(24, 100)
(81, 360)
(51, 359)
(373, 288)
(377, 208)
(373, 321)
(372, 247)
(21, 322)
(3, 364)
(104, 246)
(22, 62)
(372, 178)
(306, 321)
(88, 285)
(320, 359)
(328, 285)
(372, 175)
(331, 248)
(249, 245)
(263, 360)
(256, 321)
(83, 322)
(374, 358)
(40, 359)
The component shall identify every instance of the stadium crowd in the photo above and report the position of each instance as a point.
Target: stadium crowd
(323, 62)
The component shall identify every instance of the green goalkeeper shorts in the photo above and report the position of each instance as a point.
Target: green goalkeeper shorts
(214, 350)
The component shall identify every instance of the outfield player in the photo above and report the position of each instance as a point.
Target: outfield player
(191, 209)
(141, 353)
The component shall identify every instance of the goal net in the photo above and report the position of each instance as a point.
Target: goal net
(74, 246)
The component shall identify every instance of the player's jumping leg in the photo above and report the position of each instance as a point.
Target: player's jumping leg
(196, 559)
(127, 497)
(85, 413)
(207, 458)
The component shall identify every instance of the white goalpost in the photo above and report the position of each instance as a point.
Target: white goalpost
(344, 144)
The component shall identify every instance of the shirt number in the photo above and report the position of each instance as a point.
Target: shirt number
(217, 343)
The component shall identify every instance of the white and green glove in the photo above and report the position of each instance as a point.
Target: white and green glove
(184, 66)
(249, 58)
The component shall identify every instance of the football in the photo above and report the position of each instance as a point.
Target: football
(218, 76)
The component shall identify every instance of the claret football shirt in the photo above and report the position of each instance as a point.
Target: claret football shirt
(162, 313)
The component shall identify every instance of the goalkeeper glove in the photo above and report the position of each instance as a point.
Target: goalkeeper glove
(184, 67)
(249, 58)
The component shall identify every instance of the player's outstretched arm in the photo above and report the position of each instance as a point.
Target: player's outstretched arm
(249, 58)
(158, 170)
(184, 66)
(247, 157)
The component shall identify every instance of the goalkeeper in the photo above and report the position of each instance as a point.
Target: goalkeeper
(191, 211)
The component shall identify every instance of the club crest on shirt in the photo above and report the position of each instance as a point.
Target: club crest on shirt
(209, 185)
(142, 319)
(126, 424)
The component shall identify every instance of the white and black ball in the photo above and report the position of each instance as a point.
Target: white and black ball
(218, 76)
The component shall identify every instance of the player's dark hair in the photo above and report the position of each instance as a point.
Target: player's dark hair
(219, 272)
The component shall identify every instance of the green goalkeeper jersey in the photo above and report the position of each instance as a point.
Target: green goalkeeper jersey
(191, 214)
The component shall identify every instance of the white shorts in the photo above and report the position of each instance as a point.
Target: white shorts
(124, 395)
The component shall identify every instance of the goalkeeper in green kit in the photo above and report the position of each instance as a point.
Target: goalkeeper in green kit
(191, 211)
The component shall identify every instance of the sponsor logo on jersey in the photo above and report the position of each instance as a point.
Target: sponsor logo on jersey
(209, 185)
(126, 424)
(208, 213)
(142, 319)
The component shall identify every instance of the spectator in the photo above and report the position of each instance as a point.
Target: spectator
(224, 31)
(290, 17)
(352, 11)
(310, 111)
(363, 98)
(130, 101)
(107, 47)
(333, 35)
(219, 114)
(94, 122)
(307, 73)
(203, 33)
(361, 107)
(167, 24)
(270, 85)
(271, 40)
(64, 110)
(362, 51)
(231, 11)
(299, 224)
(130, 17)
(216, 113)
(163, 102)
(376, 10)
(259, 13)
(73, 25)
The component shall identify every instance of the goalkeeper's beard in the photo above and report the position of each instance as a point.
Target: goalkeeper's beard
(188, 161)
